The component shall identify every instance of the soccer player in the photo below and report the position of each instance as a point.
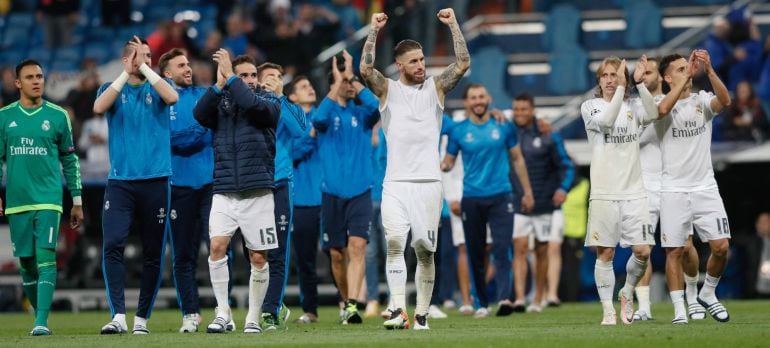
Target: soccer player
(551, 173)
(137, 191)
(307, 200)
(617, 211)
(412, 108)
(689, 193)
(292, 124)
(192, 164)
(344, 143)
(650, 156)
(35, 136)
(243, 118)
(490, 152)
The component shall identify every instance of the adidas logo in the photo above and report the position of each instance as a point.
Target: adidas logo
(13, 124)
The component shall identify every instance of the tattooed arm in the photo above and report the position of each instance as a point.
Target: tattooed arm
(373, 78)
(454, 72)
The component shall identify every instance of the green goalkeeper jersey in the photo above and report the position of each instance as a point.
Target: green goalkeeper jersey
(32, 143)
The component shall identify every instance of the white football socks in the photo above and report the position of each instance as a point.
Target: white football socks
(605, 284)
(258, 283)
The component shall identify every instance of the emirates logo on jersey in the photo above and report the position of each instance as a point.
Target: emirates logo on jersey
(46, 125)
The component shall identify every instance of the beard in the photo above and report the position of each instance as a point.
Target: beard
(483, 108)
(412, 79)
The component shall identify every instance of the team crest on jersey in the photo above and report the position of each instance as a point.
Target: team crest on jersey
(354, 122)
(699, 109)
(171, 113)
(337, 122)
(468, 137)
(172, 214)
(629, 115)
(46, 125)
(510, 207)
(495, 134)
(537, 142)
(106, 205)
(148, 98)
(123, 98)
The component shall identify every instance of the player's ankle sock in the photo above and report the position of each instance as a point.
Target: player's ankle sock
(395, 272)
(677, 298)
(709, 287)
(605, 283)
(220, 276)
(643, 298)
(46, 283)
(120, 318)
(258, 283)
(634, 271)
(424, 278)
(29, 277)
(691, 288)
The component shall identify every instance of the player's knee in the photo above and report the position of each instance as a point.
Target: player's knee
(642, 253)
(217, 249)
(356, 246)
(720, 248)
(337, 255)
(395, 246)
(424, 255)
(258, 259)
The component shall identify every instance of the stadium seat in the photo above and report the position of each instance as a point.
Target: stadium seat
(12, 57)
(99, 51)
(16, 38)
(23, 20)
(41, 54)
(68, 53)
(562, 27)
(643, 24)
(569, 73)
(65, 65)
(488, 66)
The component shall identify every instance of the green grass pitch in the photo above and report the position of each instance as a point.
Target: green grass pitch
(572, 325)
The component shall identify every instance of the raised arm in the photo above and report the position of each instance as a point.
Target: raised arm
(648, 103)
(668, 102)
(373, 78)
(107, 97)
(455, 71)
(723, 95)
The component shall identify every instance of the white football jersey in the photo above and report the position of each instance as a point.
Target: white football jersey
(685, 142)
(650, 156)
(616, 173)
(411, 121)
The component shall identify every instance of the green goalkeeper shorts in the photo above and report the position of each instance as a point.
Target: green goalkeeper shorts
(33, 229)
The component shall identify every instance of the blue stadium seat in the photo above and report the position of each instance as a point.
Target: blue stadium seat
(99, 51)
(24, 20)
(569, 71)
(488, 67)
(12, 57)
(64, 65)
(68, 53)
(16, 38)
(643, 24)
(562, 27)
(40, 54)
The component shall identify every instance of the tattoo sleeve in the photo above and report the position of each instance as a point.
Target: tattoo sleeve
(373, 78)
(454, 72)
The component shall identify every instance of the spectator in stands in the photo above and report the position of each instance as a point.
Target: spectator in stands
(116, 13)
(169, 35)
(236, 41)
(350, 21)
(8, 91)
(81, 98)
(280, 41)
(718, 46)
(203, 73)
(746, 120)
(316, 30)
(58, 18)
(93, 142)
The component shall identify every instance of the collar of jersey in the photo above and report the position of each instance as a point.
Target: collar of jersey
(32, 112)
